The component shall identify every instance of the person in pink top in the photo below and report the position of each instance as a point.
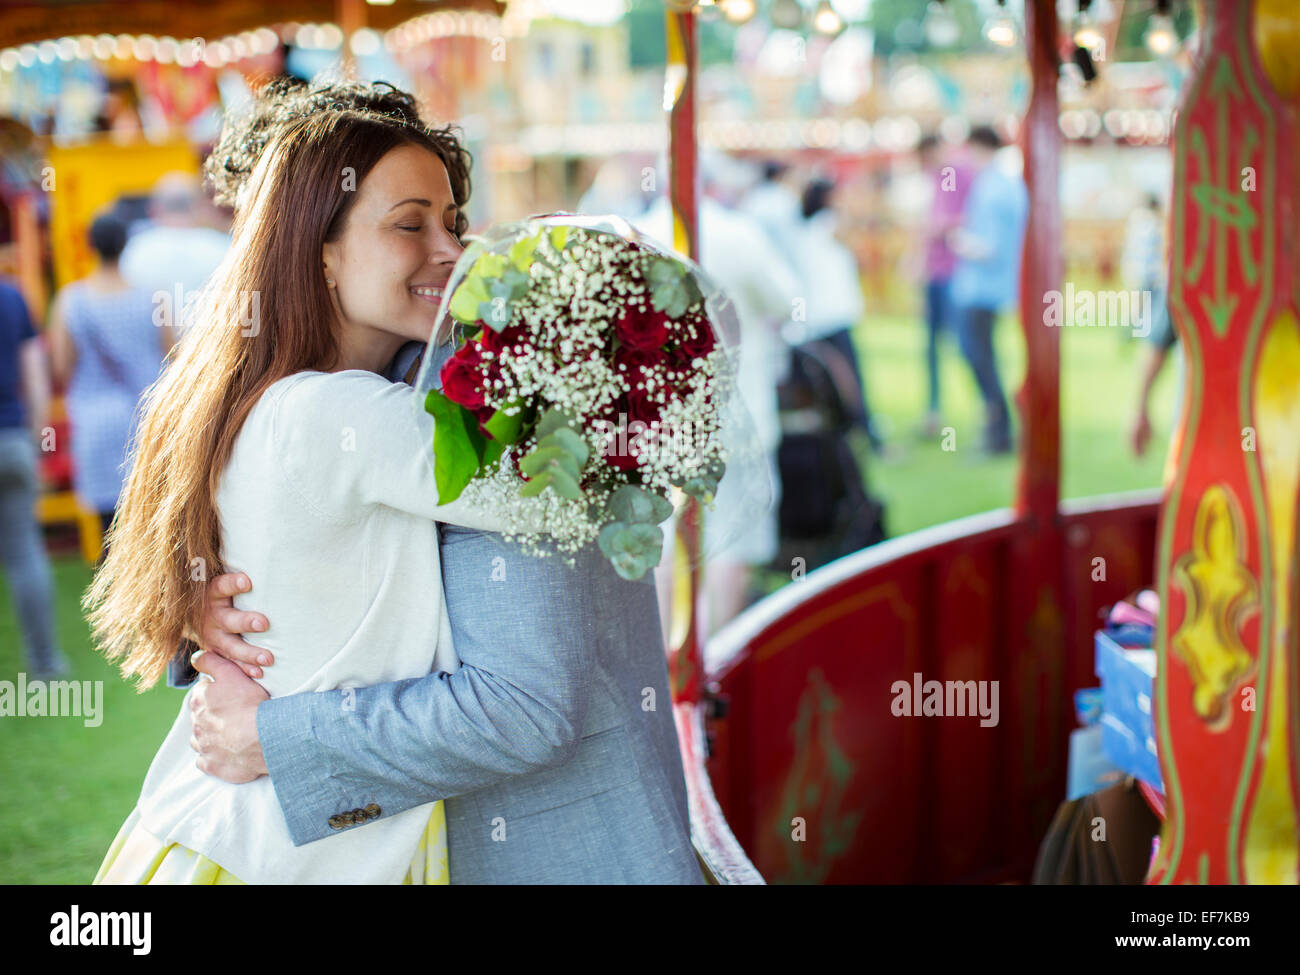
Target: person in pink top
(952, 181)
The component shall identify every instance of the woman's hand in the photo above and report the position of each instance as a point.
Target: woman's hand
(224, 625)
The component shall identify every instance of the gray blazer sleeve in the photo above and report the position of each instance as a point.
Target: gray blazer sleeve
(524, 630)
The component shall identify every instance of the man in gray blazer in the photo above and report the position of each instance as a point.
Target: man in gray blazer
(553, 745)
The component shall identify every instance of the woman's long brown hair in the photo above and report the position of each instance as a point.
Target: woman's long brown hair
(266, 314)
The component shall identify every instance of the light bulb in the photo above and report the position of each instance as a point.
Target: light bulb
(826, 20)
(1001, 30)
(1160, 38)
(738, 11)
(1087, 35)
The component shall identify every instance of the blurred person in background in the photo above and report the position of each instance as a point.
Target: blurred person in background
(106, 350)
(773, 204)
(176, 254)
(24, 415)
(1146, 267)
(987, 277)
(735, 252)
(616, 189)
(831, 287)
(950, 180)
(1143, 262)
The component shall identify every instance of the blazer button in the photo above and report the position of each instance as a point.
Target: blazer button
(336, 822)
(373, 810)
(346, 818)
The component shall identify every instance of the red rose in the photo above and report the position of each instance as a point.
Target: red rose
(694, 339)
(621, 437)
(498, 342)
(462, 377)
(642, 328)
(638, 402)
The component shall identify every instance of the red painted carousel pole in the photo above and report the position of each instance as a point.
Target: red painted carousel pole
(1039, 485)
(685, 662)
(1227, 692)
(1036, 662)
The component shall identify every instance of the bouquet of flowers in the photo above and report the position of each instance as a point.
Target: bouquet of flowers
(589, 381)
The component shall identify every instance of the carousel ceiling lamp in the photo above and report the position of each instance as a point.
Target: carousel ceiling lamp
(364, 42)
(8, 59)
(166, 53)
(85, 47)
(264, 40)
(1160, 38)
(47, 51)
(738, 11)
(215, 55)
(826, 20)
(330, 36)
(103, 47)
(1086, 32)
(786, 14)
(1001, 29)
(144, 47)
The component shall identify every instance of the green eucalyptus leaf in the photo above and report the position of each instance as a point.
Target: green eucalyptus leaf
(702, 488)
(564, 485)
(565, 438)
(488, 314)
(612, 539)
(535, 486)
(541, 458)
(636, 505)
(632, 549)
(649, 540)
(662, 508)
(552, 420)
(517, 282)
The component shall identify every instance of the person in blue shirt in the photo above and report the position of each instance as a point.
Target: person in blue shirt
(988, 246)
(24, 408)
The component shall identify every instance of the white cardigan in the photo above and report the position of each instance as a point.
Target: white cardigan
(328, 505)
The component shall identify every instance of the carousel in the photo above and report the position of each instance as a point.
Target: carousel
(798, 768)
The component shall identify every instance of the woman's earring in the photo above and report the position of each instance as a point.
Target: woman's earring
(330, 282)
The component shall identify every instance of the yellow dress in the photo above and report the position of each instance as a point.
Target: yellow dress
(138, 857)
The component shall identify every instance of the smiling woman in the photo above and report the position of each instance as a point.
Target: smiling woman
(386, 269)
(293, 456)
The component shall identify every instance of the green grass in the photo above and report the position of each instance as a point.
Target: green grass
(927, 485)
(67, 788)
